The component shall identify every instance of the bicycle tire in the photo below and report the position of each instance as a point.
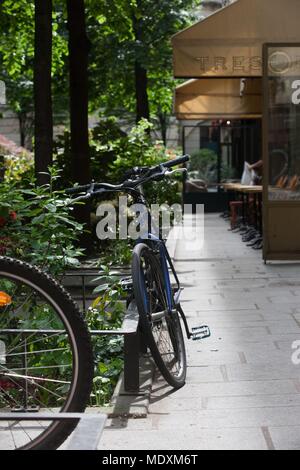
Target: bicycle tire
(169, 342)
(82, 355)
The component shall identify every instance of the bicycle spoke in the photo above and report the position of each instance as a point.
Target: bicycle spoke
(42, 367)
(28, 377)
(33, 342)
(36, 352)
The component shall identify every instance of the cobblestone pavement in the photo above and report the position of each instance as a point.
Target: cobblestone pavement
(242, 390)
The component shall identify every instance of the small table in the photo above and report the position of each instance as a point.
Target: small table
(245, 192)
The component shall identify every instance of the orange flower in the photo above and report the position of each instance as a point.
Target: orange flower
(5, 299)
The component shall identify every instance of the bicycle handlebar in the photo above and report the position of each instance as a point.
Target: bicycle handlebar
(177, 161)
(90, 188)
(141, 175)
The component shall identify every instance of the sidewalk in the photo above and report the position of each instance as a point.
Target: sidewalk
(242, 391)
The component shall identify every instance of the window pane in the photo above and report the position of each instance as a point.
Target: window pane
(284, 123)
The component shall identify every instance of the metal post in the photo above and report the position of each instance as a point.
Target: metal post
(143, 345)
(132, 362)
(83, 294)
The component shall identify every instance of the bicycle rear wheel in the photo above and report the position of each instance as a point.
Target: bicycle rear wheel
(46, 360)
(161, 328)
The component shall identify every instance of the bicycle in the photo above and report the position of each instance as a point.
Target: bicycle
(46, 357)
(157, 300)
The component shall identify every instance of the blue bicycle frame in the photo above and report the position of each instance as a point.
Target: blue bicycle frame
(173, 295)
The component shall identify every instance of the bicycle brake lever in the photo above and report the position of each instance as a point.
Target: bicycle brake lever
(178, 170)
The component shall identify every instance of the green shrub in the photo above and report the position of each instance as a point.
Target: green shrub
(113, 152)
(38, 227)
(107, 313)
(104, 141)
(204, 165)
(18, 167)
(117, 253)
(136, 149)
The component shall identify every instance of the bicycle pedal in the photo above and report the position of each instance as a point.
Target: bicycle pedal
(200, 332)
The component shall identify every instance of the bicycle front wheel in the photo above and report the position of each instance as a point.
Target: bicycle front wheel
(162, 329)
(46, 360)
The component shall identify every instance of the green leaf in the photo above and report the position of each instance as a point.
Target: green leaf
(101, 288)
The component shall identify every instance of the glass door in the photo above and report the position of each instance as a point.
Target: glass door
(281, 151)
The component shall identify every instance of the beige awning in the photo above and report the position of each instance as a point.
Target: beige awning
(219, 99)
(229, 42)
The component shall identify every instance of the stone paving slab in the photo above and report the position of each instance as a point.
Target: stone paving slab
(275, 357)
(286, 323)
(240, 357)
(242, 391)
(228, 402)
(226, 389)
(241, 314)
(181, 439)
(256, 329)
(208, 358)
(285, 345)
(252, 337)
(189, 304)
(215, 348)
(194, 420)
(262, 371)
(235, 319)
(285, 437)
(236, 403)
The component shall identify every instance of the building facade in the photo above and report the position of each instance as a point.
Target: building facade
(211, 6)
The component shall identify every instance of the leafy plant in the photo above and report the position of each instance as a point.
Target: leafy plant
(108, 302)
(104, 142)
(113, 152)
(18, 168)
(117, 253)
(228, 172)
(107, 312)
(42, 230)
(204, 165)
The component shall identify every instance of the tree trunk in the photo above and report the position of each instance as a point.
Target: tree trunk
(42, 90)
(141, 75)
(78, 57)
(141, 88)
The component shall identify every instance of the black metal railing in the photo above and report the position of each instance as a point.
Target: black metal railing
(86, 435)
(134, 345)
